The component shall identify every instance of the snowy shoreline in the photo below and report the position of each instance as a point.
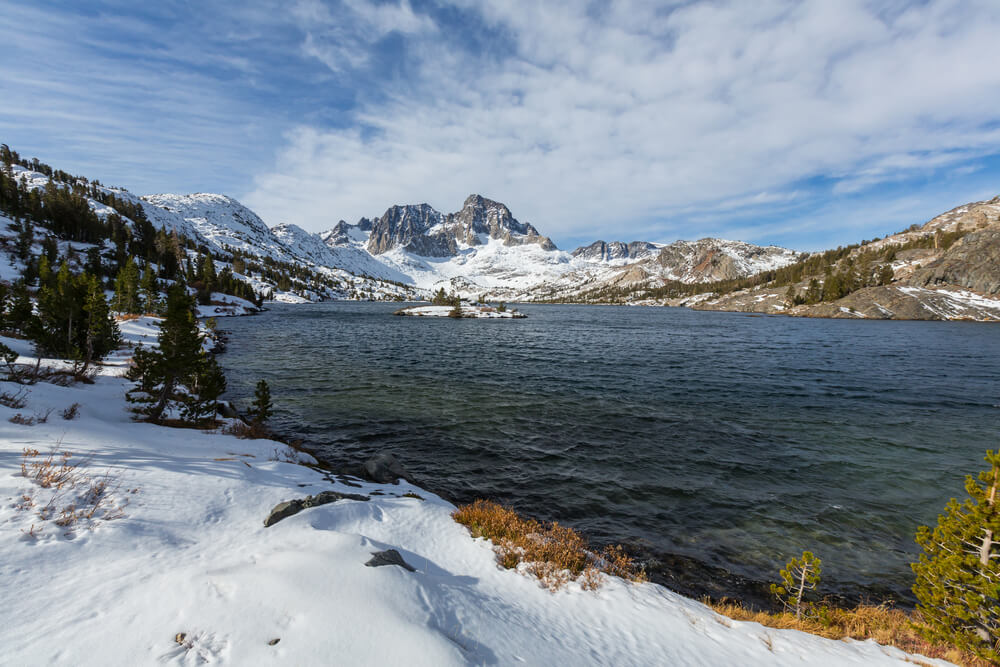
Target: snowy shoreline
(181, 569)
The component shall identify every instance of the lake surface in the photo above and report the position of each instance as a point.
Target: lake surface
(715, 445)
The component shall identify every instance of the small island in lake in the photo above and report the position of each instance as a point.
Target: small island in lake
(470, 311)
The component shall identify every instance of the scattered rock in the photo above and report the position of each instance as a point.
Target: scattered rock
(384, 468)
(292, 507)
(389, 557)
(226, 409)
(274, 641)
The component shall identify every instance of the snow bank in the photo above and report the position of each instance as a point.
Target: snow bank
(183, 570)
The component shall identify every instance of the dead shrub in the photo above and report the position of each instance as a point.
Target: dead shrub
(72, 412)
(883, 623)
(49, 472)
(77, 496)
(253, 431)
(22, 420)
(17, 399)
(553, 553)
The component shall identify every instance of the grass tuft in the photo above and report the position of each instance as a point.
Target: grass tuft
(885, 624)
(554, 554)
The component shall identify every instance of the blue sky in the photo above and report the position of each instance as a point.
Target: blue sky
(807, 124)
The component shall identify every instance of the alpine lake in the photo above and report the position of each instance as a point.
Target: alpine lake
(714, 446)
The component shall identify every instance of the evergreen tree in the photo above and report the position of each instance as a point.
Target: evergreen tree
(25, 238)
(440, 298)
(799, 576)
(103, 334)
(149, 290)
(74, 321)
(50, 249)
(885, 274)
(127, 288)
(958, 574)
(179, 373)
(261, 409)
(21, 315)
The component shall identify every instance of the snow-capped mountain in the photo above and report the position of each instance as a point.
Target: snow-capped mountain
(409, 250)
(617, 252)
(483, 249)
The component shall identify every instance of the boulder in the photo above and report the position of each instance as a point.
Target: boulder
(389, 557)
(384, 468)
(292, 507)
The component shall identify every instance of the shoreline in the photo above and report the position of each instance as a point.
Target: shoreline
(677, 572)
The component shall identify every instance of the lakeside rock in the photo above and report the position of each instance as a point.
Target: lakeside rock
(292, 507)
(385, 468)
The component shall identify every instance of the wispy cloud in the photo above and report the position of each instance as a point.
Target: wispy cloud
(604, 119)
(615, 120)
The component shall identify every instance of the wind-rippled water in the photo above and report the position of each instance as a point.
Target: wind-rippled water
(702, 440)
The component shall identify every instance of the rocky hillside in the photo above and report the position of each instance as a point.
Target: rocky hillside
(688, 262)
(945, 269)
(616, 251)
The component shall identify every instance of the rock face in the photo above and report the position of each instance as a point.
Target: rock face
(708, 260)
(973, 262)
(384, 468)
(389, 557)
(293, 507)
(421, 230)
(601, 251)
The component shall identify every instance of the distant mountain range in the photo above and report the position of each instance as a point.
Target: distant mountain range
(483, 250)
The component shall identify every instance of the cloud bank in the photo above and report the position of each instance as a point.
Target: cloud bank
(627, 120)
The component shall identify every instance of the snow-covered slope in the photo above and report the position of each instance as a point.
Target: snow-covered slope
(222, 221)
(175, 564)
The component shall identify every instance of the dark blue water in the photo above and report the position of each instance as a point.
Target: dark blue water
(717, 445)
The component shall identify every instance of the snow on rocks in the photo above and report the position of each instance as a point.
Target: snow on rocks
(471, 312)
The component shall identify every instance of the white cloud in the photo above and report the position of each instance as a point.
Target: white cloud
(601, 120)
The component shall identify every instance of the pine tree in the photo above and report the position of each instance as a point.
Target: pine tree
(127, 288)
(149, 290)
(102, 333)
(958, 574)
(261, 409)
(21, 315)
(799, 576)
(179, 373)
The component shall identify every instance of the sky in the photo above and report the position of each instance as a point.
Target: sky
(806, 124)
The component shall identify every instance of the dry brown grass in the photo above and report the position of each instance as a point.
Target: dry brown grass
(553, 553)
(886, 625)
(49, 472)
(252, 431)
(76, 496)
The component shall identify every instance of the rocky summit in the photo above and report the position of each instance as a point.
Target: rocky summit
(423, 231)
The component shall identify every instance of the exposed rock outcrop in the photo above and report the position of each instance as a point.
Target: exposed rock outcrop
(601, 251)
(973, 262)
(389, 557)
(293, 507)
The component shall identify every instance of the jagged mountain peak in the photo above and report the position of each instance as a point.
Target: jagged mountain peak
(616, 251)
(421, 230)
